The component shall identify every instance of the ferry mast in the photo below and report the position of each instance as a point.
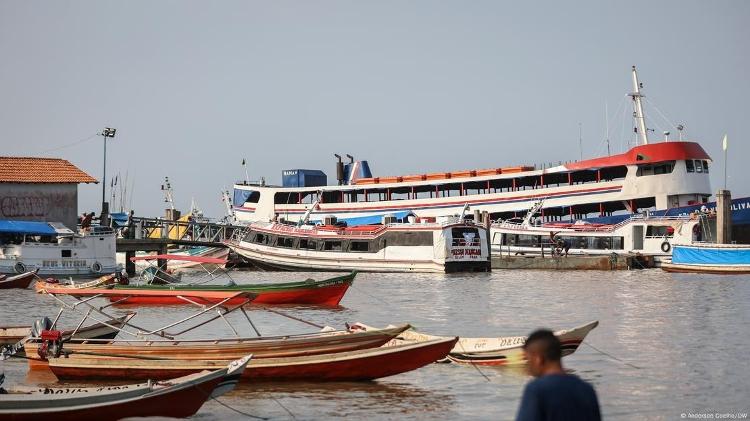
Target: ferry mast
(638, 106)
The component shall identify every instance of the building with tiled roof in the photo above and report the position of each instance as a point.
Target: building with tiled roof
(41, 170)
(40, 189)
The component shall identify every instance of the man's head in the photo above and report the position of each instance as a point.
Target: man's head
(543, 352)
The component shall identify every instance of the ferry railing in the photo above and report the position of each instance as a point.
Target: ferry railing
(156, 228)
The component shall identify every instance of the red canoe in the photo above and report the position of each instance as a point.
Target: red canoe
(19, 281)
(177, 398)
(328, 292)
(366, 364)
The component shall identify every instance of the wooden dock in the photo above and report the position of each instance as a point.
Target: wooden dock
(613, 261)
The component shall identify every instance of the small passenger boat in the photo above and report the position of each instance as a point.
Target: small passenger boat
(498, 350)
(22, 280)
(178, 398)
(720, 259)
(51, 283)
(358, 365)
(451, 244)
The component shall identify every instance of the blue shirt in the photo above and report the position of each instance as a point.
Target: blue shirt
(558, 397)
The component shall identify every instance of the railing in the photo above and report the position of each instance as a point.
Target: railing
(156, 228)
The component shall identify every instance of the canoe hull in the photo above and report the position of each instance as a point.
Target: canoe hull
(349, 366)
(21, 281)
(264, 348)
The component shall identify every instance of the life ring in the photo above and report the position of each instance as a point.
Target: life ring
(665, 247)
(96, 267)
(20, 267)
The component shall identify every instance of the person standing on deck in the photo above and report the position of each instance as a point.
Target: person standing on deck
(554, 394)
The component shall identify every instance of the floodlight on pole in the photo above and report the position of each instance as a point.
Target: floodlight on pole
(107, 132)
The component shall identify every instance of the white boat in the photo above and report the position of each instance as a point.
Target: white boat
(653, 236)
(652, 175)
(55, 250)
(450, 245)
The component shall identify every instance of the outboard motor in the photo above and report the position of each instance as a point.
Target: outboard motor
(39, 326)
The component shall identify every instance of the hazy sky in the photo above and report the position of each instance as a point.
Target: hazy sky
(411, 86)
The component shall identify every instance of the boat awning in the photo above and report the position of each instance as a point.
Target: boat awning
(179, 257)
(26, 227)
(372, 219)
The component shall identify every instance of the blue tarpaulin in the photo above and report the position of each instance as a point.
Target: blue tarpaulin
(711, 255)
(26, 227)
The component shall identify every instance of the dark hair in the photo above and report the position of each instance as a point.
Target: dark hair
(549, 345)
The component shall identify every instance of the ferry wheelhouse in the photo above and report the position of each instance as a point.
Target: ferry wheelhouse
(448, 245)
(662, 175)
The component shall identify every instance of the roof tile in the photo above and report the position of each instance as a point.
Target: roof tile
(41, 170)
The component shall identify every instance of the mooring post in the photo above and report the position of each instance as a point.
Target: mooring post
(723, 217)
(129, 265)
(162, 263)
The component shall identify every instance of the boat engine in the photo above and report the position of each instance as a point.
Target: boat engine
(51, 345)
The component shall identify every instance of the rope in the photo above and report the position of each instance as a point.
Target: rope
(68, 144)
(285, 408)
(612, 356)
(237, 410)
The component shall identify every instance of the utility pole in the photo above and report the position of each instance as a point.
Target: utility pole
(104, 218)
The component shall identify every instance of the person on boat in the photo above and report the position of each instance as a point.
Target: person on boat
(554, 394)
(559, 245)
(86, 221)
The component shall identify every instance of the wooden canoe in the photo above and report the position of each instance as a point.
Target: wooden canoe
(499, 350)
(327, 292)
(228, 349)
(22, 280)
(96, 331)
(364, 364)
(178, 398)
(42, 286)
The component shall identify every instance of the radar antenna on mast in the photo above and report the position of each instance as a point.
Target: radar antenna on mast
(640, 119)
(167, 189)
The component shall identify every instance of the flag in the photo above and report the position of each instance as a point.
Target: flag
(724, 143)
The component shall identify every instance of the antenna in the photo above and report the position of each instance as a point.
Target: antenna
(640, 119)
(606, 124)
(167, 189)
(580, 140)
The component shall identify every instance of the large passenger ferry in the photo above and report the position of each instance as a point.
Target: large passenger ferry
(663, 175)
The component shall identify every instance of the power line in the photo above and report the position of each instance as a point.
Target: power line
(68, 144)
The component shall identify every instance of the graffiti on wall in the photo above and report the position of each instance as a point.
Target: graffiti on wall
(39, 205)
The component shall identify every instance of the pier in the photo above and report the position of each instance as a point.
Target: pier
(157, 234)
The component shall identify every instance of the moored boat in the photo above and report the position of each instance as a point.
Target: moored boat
(326, 292)
(53, 284)
(710, 258)
(452, 244)
(179, 397)
(498, 350)
(20, 281)
(323, 342)
(359, 365)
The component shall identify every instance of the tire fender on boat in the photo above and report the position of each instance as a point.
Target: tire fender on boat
(96, 267)
(665, 246)
(20, 267)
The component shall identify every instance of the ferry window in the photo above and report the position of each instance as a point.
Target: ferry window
(689, 165)
(653, 231)
(698, 166)
(705, 166)
(360, 246)
(308, 244)
(260, 238)
(465, 236)
(528, 240)
(285, 242)
(332, 245)
(65, 253)
(245, 196)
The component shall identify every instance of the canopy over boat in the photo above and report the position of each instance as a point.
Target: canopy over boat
(180, 257)
(26, 227)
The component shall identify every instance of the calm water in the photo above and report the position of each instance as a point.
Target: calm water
(683, 341)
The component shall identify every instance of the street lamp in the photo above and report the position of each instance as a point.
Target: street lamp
(107, 132)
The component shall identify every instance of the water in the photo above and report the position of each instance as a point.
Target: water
(682, 340)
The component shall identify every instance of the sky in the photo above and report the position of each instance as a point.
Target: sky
(195, 87)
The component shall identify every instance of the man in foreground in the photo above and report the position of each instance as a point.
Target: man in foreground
(554, 395)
